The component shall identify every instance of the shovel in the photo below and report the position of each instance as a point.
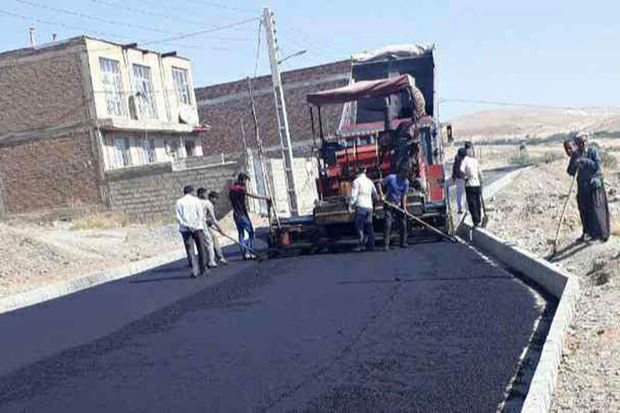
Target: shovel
(485, 218)
(557, 232)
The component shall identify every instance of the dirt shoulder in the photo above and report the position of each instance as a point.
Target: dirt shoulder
(527, 212)
(36, 252)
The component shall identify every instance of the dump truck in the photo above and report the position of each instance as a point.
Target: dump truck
(388, 121)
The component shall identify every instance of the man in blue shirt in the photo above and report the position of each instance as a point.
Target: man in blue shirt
(396, 189)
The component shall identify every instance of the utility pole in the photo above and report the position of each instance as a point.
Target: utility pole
(261, 155)
(285, 136)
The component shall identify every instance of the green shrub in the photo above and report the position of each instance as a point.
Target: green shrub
(521, 158)
(608, 160)
(552, 156)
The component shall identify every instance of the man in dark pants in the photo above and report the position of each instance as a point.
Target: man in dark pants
(473, 190)
(189, 212)
(585, 161)
(457, 178)
(237, 195)
(363, 192)
(396, 189)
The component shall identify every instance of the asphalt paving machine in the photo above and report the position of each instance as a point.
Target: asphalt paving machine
(387, 122)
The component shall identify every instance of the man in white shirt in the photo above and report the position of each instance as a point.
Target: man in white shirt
(473, 179)
(212, 246)
(189, 212)
(363, 192)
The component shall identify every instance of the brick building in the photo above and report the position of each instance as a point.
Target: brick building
(89, 122)
(226, 106)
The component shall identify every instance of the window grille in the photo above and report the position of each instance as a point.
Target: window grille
(122, 154)
(112, 86)
(143, 88)
(181, 86)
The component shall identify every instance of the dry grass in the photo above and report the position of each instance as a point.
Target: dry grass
(615, 228)
(106, 220)
(101, 220)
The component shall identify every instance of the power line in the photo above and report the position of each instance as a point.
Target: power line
(327, 47)
(260, 25)
(108, 34)
(167, 16)
(311, 47)
(118, 5)
(90, 17)
(202, 32)
(223, 6)
(58, 24)
(516, 104)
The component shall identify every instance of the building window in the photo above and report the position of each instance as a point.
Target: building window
(172, 148)
(181, 86)
(190, 147)
(147, 150)
(112, 86)
(122, 154)
(144, 91)
(151, 151)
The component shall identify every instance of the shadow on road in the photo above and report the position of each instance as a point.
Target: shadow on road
(399, 280)
(151, 280)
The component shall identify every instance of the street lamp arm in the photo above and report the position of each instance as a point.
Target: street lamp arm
(299, 53)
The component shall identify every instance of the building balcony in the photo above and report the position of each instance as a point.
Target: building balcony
(149, 125)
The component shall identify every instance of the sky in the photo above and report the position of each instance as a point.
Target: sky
(544, 52)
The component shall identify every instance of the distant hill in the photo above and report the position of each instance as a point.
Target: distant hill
(535, 123)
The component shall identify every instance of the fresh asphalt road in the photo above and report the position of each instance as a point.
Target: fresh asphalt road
(435, 327)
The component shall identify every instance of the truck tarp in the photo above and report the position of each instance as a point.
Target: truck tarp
(361, 90)
(392, 52)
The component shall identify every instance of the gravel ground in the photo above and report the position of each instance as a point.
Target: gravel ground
(37, 253)
(527, 212)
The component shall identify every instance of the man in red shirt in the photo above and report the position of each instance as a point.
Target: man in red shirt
(237, 195)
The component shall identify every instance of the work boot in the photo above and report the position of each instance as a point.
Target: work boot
(223, 261)
(359, 248)
(212, 265)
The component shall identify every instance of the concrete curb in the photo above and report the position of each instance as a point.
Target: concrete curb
(59, 289)
(551, 278)
(501, 183)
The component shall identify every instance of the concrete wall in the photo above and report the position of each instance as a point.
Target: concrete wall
(154, 189)
(49, 173)
(305, 173)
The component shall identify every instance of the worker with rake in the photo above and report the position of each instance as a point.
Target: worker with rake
(237, 195)
(585, 163)
(396, 189)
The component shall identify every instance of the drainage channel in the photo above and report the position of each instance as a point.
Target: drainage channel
(518, 387)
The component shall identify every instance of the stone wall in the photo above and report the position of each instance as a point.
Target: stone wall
(42, 89)
(226, 106)
(49, 173)
(154, 189)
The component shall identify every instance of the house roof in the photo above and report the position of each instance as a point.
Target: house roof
(64, 44)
